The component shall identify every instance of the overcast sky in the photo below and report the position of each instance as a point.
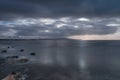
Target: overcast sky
(76, 19)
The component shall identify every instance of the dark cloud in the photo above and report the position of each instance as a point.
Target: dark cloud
(58, 8)
(58, 27)
(96, 30)
(52, 32)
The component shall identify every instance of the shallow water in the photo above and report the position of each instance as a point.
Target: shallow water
(62, 59)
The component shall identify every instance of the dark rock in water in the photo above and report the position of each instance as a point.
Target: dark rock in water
(8, 47)
(13, 73)
(8, 57)
(4, 51)
(14, 57)
(24, 60)
(22, 50)
(32, 54)
(14, 76)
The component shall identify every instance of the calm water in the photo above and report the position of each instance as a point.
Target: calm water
(62, 59)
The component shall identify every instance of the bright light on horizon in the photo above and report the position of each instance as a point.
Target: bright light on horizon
(94, 37)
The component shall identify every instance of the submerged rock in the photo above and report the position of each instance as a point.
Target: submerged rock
(22, 50)
(4, 51)
(13, 57)
(24, 60)
(8, 47)
(32, 54)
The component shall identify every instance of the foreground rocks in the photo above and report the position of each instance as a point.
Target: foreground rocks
(15, 76)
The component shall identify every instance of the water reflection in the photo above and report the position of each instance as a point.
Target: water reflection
(85, 60)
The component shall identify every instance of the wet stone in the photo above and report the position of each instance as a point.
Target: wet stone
(23, 60)
(22, 50)
(32, 54)
(4, 51)
(14, 76)
(13, 57)
(8, 47)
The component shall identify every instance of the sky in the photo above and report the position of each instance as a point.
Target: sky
(73, 19)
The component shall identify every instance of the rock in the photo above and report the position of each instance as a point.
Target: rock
(8, 47)
(24, 60)
(14, 76)
(4, 51)
(22, 50)
(32, 54)
(13, 57)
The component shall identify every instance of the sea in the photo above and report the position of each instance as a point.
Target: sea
(60, 59)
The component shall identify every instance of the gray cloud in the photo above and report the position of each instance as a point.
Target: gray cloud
(59, 27)
(58, 8)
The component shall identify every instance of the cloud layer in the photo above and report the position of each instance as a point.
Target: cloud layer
(58, 27)
(58, 8)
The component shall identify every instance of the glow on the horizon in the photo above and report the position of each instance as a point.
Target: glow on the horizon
(95, 37)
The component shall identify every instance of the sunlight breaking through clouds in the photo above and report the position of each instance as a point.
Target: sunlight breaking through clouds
(47, 21)
(47, 31)
(83, 19)
(65, 19)
(60, 25)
